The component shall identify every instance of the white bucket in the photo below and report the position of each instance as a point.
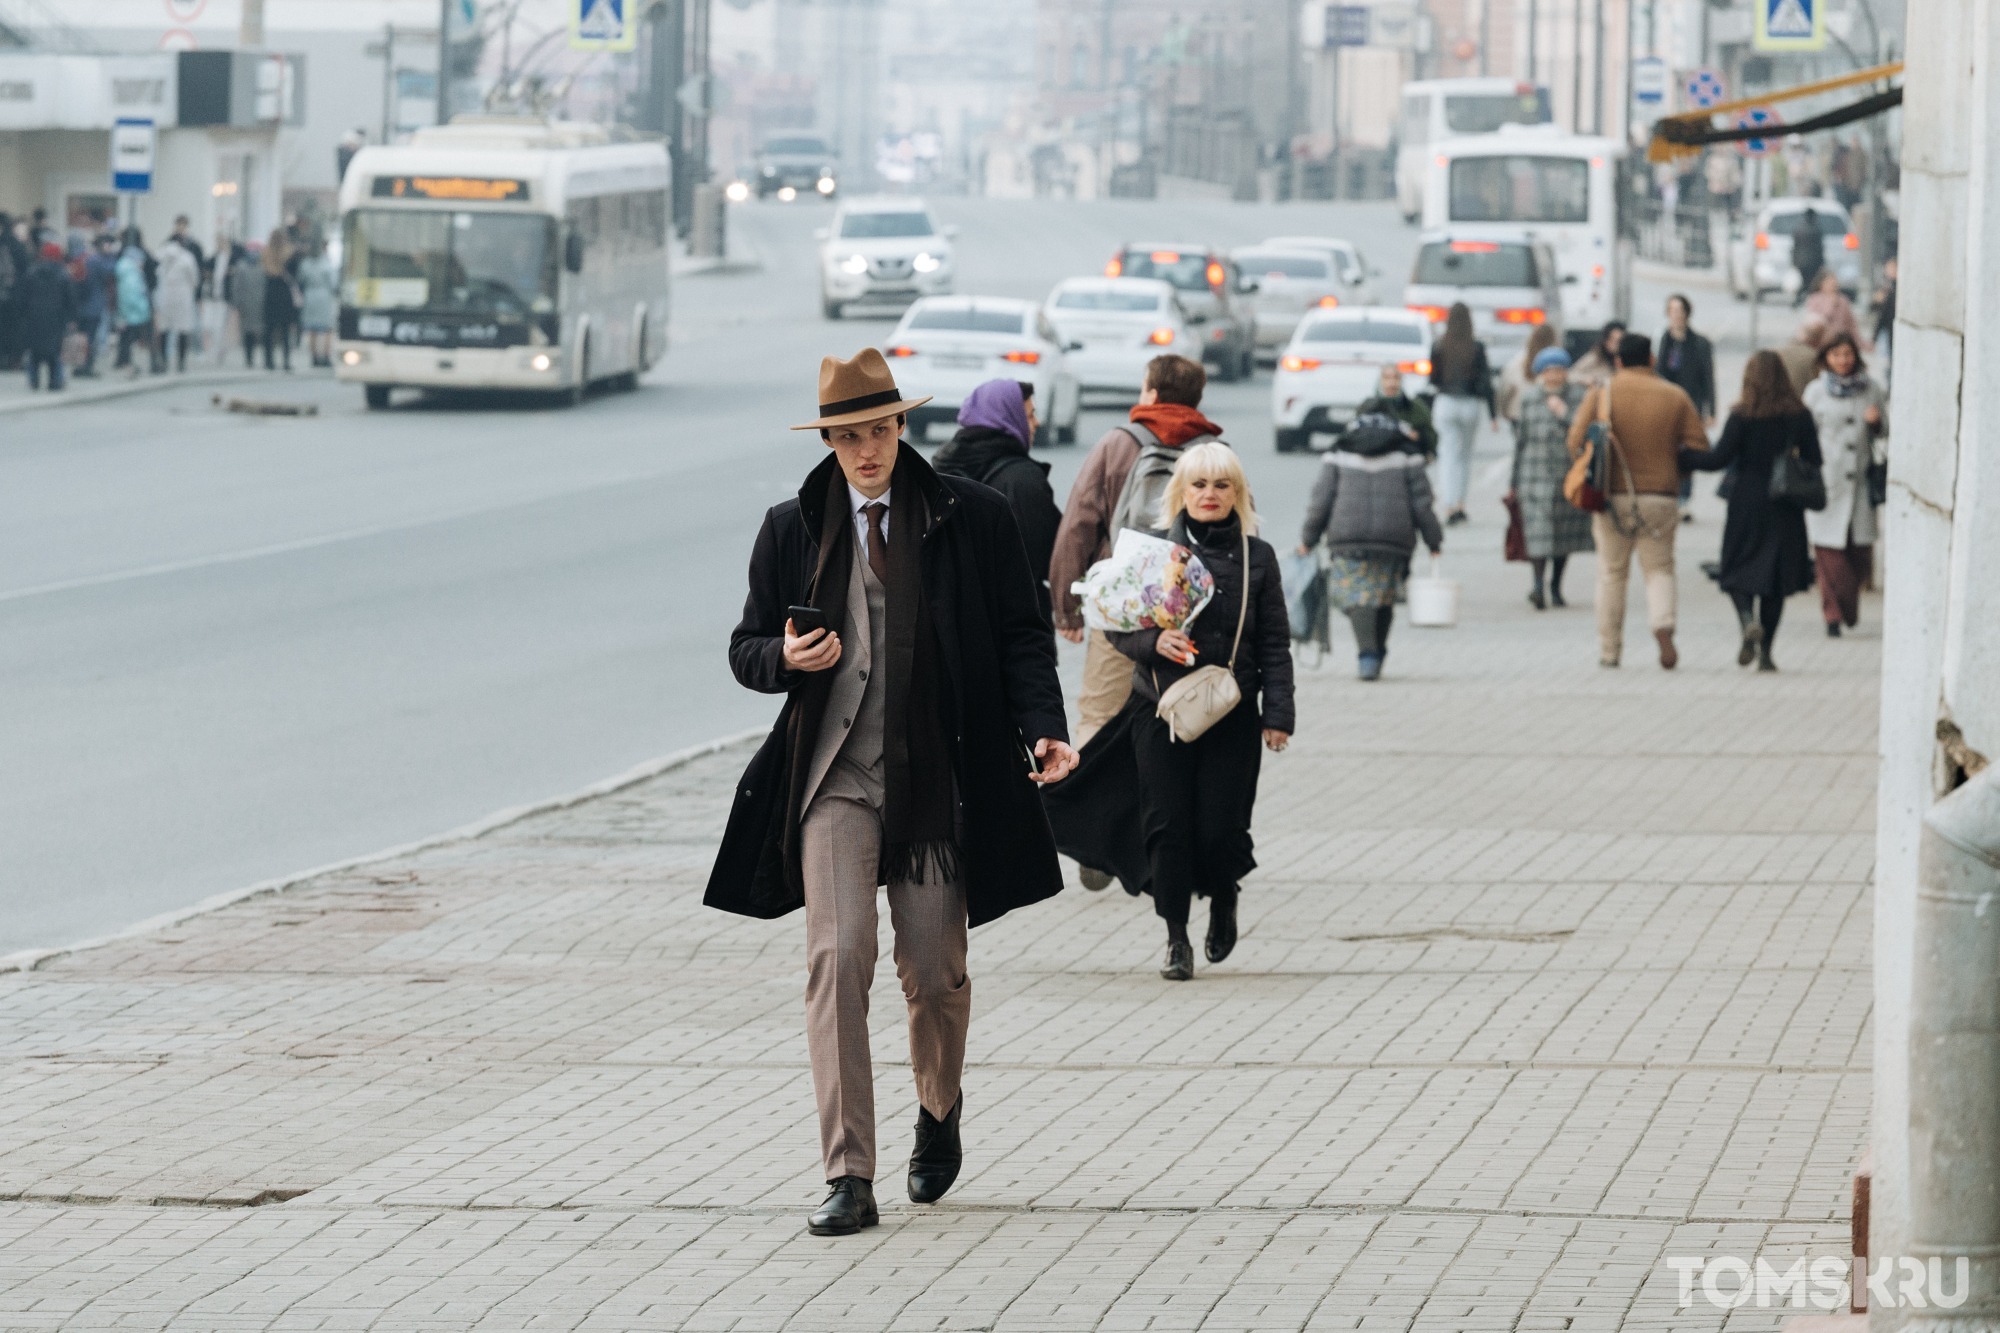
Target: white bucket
(1434, 599)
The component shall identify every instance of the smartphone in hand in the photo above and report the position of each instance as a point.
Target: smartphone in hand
(805, 619)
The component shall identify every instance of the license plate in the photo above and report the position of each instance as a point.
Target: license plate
(958, 362)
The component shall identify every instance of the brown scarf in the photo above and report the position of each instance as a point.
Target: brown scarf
(919, 827)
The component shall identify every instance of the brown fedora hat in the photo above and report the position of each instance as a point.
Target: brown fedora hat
(858, 390)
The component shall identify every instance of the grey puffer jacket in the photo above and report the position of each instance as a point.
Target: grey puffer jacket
(1372, 499)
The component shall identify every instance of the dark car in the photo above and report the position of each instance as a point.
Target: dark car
(1206, 283)
(801, 161)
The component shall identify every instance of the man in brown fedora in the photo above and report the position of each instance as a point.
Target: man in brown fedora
(901, 757)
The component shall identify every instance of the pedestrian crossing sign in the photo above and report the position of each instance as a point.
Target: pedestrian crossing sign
(1790, 25)
(602, 25)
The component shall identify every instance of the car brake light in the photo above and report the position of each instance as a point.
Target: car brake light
(1216, 274)
(1475, 248)
(1299, 363)
(1527, 315)
(1160, 337)
(1114, 268)
(1763, 241)
(1329, 302)
(1597, 270)
(1022, 358)
(1442, 160)
(1421, 366)
(1164, 257)
(1434, 313)
(1851, 241)
(902, 351)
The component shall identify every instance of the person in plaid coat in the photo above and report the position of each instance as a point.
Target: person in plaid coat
(1555, 529)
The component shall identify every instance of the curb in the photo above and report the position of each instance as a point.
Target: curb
(42, 402)
(28, 960)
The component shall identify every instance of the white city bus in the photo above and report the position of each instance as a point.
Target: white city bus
(1435, 110)
(1565, 190)
(503, 253)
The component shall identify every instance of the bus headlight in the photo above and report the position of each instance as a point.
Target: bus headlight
(540, 361)
(926, 263)
(352, 357)
(855, 264)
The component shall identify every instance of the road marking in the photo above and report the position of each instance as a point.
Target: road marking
(309, 543)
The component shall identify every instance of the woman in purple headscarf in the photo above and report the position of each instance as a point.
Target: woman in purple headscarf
(992, 447)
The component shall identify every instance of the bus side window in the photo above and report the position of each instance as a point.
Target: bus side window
(1416, 120)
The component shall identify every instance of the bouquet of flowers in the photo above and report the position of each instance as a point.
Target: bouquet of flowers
(1148, 583)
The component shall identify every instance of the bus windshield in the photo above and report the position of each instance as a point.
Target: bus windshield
(1520, 189)
(1483, 113)
(491, 264)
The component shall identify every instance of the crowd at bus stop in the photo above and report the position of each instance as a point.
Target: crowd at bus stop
(93, 298)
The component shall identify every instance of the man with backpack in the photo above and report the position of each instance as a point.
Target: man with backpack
(1120, 487)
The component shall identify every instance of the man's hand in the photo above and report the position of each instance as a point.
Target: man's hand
(1073, 635)
(1274, 741)
(812, 652)
(1057, 759)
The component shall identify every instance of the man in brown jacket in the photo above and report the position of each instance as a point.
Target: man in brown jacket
(1652, 420)
(1167, 413)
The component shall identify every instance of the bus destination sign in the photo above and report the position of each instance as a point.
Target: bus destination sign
(473, 189)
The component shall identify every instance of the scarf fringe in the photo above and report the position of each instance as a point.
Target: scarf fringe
(921, 863)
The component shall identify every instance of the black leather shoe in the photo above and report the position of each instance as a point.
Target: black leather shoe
(1221, 928)
(1180, 961)
(849, 1206)
(934, 1165)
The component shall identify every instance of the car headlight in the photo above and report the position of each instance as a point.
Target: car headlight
(926, 263)
(855, 264)
(736, 192)
(770, 171)
(825, 185)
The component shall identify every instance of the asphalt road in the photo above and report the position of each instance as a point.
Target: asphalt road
(232, 647)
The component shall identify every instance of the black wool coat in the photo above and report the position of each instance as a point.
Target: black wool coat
(1002, 695)
(997, 459)
(1764, 548)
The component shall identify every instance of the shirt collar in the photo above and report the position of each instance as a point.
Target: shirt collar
(856, 501)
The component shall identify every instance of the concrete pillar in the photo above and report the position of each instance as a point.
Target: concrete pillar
(1941, 630)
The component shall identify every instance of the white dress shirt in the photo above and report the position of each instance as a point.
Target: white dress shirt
(858, 502)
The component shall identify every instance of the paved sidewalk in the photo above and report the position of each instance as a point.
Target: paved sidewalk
(1548, 973)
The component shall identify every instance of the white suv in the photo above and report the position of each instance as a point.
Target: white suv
(887, 250)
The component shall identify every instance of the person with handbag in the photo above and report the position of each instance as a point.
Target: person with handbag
(1204, 701)
(895, 611)
(1637, 424)
(1850, 412)
(1770, 440)
(1552, 529)
(1370, 502)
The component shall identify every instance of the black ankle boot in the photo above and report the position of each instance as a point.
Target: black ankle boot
(1180, 956)
(849, 1206)
(1221, 927)
(939, 1154)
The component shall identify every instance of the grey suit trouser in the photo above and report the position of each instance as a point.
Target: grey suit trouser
(841, 845)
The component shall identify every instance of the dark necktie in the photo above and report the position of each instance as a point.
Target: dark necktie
(878, 541)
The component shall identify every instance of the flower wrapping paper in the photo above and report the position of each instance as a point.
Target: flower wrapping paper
(1147, 583)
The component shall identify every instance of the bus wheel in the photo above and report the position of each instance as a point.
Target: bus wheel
(574, 394)
(377, 395)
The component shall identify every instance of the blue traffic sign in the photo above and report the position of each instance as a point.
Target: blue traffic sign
(1705, 88)
(132, 145)
(1760, 117)
(1347, 25)
(1789, 25)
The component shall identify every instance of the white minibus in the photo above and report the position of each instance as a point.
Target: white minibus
(1564, 190)
(1438, 109)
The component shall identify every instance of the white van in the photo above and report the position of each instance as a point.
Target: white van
(1562, 190)
(1438, 109)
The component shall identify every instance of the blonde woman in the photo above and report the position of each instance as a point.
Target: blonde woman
(1196, 796)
